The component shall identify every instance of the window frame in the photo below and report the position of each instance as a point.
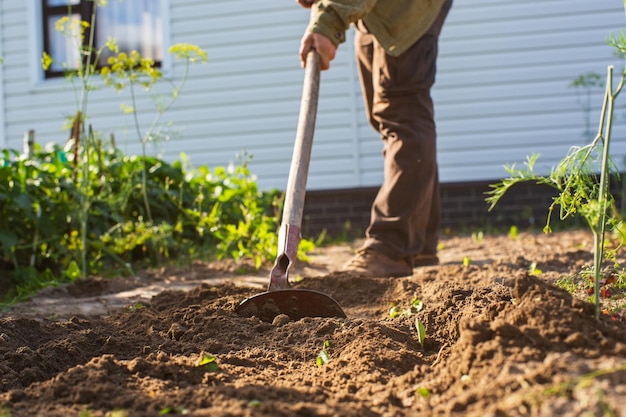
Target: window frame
(85, 9)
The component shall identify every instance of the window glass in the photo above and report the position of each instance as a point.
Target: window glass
(136, 25)
(64, 47)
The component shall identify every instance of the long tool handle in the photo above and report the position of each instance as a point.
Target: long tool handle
(289, 234)
(296, 186)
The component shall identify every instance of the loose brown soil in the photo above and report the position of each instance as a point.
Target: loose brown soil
(499, 341)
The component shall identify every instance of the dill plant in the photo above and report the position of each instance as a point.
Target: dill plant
(581, 179)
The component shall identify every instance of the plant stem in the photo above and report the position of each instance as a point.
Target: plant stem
(600, 228)
(144, 174)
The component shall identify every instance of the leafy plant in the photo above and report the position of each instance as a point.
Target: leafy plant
(478, 236)
(193, 209)
(209, 363)
(323, 357)
(423, 392)
(254, 403)
(124, 69)
(581, 180)
(421, 331)
(415, 306)
(533, 270)
(174, 410)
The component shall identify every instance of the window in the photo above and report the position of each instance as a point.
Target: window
(134, 24)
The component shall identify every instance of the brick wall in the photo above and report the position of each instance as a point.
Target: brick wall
(346, 212)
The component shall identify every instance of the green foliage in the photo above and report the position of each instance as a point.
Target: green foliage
(533, 270)
(209, 363)
(582, 177)
(415, 307)
(195, 213)
(423, 392)
(478, 236)
(173, 410)
(323, 357)
(421, 331)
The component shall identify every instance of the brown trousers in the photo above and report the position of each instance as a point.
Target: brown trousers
(406, 212)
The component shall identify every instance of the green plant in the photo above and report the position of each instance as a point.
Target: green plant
(173, 410)
(533, 270)
(323, 357)
(40, 241)
(209, 363)
(478, 236)
(135, 72)
(416, 305)
(421, 331)
(568, 284)
(423, 392)
(581, 180)
(254, 403)
(124, 69)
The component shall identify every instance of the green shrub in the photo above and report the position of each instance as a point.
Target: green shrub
(196, 213)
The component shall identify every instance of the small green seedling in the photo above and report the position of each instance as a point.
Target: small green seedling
(174, 410)
(415, 307)
(134, 308)
(423, 392)
(421, 331)
(477, 236)
(513, 232)
(254, 404)
(533, 270)
(466, 261)
(323, 357)
(394, 311)
(209, 363)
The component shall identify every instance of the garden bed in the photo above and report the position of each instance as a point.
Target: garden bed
(498, 341)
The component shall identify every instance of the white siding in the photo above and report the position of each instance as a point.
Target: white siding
(502, 89)
(3, 142)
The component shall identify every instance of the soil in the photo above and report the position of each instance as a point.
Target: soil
(499, 341)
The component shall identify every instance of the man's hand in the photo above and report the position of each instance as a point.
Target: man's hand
(324, 47)
(306, 3)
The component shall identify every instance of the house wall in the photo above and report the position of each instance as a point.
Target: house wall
(503, 89)
(2, 99)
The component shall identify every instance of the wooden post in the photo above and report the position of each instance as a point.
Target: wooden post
(29, 143)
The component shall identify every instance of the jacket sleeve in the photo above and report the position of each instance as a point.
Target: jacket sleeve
(332, 18)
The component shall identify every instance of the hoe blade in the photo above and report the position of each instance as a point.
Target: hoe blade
(296, 303)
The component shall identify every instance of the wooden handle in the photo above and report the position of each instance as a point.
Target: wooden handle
(298, 173)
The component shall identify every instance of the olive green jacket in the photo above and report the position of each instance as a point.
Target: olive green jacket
(396, 24)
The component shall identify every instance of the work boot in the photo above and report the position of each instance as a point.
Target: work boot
(425, 259)
(372, 264)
